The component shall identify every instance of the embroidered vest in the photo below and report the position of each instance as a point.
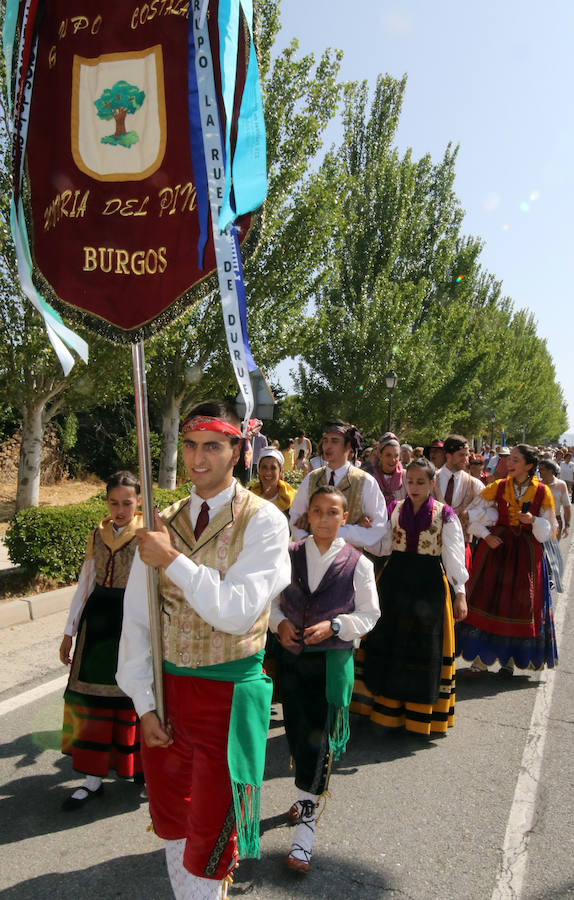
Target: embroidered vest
(351, 485)
(430, 540)
(333, 596)
(187, 639)
(112, 567)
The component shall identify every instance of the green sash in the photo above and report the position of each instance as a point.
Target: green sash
(340, 678)
(247, 740)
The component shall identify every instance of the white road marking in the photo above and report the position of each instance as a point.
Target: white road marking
(8, 706)
(522, 816)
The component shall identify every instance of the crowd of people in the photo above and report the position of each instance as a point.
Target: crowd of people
(357, 590)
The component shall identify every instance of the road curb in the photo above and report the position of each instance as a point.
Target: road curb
(26, 609)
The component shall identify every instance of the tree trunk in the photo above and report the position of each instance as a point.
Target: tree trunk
(169, 436)
(120, 117)
(28, 490)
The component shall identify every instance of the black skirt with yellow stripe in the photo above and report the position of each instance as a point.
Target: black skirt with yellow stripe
(404, 673)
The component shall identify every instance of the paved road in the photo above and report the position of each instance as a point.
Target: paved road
(408, 818)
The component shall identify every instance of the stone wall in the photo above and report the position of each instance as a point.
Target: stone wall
(53, 466)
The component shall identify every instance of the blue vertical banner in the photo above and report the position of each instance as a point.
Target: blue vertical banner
(224, 180)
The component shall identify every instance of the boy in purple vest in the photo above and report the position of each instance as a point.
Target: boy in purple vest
(331, 602)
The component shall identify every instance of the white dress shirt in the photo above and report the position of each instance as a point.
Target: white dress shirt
(231, 604)
(567, 472)
(443, 478)
(86, 584)
(367, 610)
(373, 505)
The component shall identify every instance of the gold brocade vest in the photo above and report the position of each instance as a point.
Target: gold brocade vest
(351, 485)
(113, 553)
(430, 541)
(187, 639)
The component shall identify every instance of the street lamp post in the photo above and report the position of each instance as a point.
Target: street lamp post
(391, 380)
(492, 421)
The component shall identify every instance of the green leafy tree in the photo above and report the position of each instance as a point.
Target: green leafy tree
(116, 103)
(403, 288)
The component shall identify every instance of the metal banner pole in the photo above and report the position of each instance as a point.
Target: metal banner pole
(142, 425)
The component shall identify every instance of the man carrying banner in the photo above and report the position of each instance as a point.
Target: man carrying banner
(222, 554)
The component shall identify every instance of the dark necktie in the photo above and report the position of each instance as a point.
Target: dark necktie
(449, 491)
(332, 479)
(202, 520)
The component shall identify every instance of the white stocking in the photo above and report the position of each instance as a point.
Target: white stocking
(91, 783)
(186, 886)
(304, 834)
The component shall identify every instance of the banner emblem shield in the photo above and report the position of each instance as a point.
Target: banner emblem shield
(119, 127)
(112, 202)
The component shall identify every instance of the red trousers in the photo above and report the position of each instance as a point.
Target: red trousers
(188, 783)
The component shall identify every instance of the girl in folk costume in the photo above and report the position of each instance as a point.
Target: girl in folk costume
(409, 656)
(390, 476)
(510, 607)
(270, 484)
(101, 728)
(331, 601)
(271, 487)
(388, 470)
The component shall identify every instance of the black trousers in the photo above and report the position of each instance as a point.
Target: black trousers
(305, 711)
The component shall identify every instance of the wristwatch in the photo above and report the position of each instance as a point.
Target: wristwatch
(335, 626)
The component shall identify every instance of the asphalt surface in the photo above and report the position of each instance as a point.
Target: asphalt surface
(408, 817)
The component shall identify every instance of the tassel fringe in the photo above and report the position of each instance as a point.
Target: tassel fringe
(247, 804)
(339, 729)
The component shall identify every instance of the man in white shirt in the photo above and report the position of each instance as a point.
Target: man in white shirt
(223, 556)
(455, 486)
(367, 520)
(567, 471)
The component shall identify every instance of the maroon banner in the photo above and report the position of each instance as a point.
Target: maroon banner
(112, 207)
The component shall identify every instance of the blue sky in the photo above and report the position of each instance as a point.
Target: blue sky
(496, 78)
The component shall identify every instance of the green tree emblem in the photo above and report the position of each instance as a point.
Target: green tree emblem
(121, 100)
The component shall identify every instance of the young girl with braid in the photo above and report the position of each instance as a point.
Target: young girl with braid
(101, 728)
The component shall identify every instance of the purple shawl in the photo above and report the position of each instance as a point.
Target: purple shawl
(389, 485)
(413, 524)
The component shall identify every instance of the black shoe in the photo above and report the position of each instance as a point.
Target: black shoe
(72, 803)
(506, 672)
(139, 778)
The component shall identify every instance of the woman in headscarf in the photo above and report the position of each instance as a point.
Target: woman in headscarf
(388, 469)
(270, 485)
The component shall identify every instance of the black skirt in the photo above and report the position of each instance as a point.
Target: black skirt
(403, 653)
(93, 672)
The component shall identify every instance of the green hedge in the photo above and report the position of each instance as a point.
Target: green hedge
(51, 540)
